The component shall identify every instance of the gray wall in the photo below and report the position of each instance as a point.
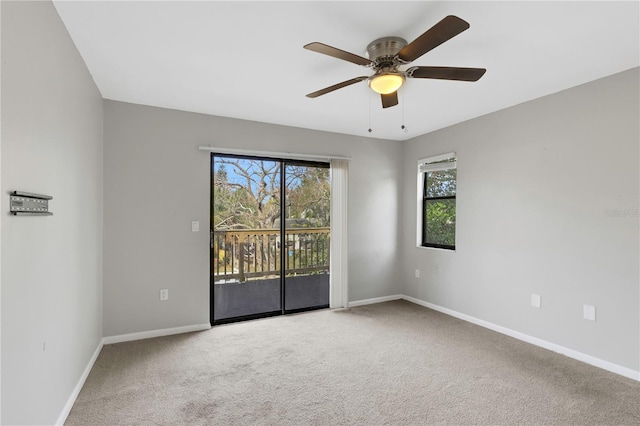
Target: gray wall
(536, 187)
(157, 182)
(535, 184)
(51, 266)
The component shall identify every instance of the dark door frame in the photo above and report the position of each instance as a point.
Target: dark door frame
(283, 162)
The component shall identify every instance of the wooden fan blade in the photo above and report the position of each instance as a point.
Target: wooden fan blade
(389, 100)
(337, 53)
(336, 87)
(444, 30)
(447, 73)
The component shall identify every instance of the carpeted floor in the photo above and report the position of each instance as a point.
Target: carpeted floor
(392, 363)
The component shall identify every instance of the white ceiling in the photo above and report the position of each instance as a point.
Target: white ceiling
(245, 59)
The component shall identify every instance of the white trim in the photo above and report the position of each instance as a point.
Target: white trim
(588, 359)
(434, 248)
(419, 192)
(76, 391)
(154, 333)
(273, 154)
(375, 300)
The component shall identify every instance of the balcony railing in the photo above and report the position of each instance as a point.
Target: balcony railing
(255, 253)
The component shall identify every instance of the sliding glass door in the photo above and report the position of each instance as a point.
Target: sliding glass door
(307, 226)
(245, 236)
(257, 233)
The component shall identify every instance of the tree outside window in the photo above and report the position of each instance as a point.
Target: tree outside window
(439, 203)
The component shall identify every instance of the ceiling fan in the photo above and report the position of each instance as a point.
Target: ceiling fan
(388, 54)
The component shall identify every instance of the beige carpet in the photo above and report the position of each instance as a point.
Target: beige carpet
(393, 363)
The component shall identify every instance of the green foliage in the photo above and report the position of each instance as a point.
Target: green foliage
(441, 222)
(308, 196)
(440, 214)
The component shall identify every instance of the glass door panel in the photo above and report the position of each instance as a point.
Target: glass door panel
(307, 228)
(245, 238)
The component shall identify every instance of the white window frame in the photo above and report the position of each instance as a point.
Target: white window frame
(423, 168)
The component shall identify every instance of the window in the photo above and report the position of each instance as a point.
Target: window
(437, 201)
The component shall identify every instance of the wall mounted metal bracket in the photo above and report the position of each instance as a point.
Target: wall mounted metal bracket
(28, 204)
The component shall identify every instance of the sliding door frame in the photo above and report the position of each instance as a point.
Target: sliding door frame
(283, 163)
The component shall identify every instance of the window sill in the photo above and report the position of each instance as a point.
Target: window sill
(437, 248)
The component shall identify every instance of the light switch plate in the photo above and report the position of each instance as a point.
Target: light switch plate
(535, 300)
(195, 226)
(589, 312)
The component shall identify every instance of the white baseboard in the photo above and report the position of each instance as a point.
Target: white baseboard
(76, 391)
(588, 359)
(154, 333)
(374, 300)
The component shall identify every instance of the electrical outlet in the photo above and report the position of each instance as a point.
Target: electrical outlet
(417, 273)
(535, 300)
(589, 312)
(164, 294)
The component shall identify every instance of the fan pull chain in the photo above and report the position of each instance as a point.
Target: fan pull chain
(402, 126)
(370, 114)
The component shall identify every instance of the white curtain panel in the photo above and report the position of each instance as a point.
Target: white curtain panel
(339, 271)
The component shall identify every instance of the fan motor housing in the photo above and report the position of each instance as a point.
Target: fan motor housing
(384, 49)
